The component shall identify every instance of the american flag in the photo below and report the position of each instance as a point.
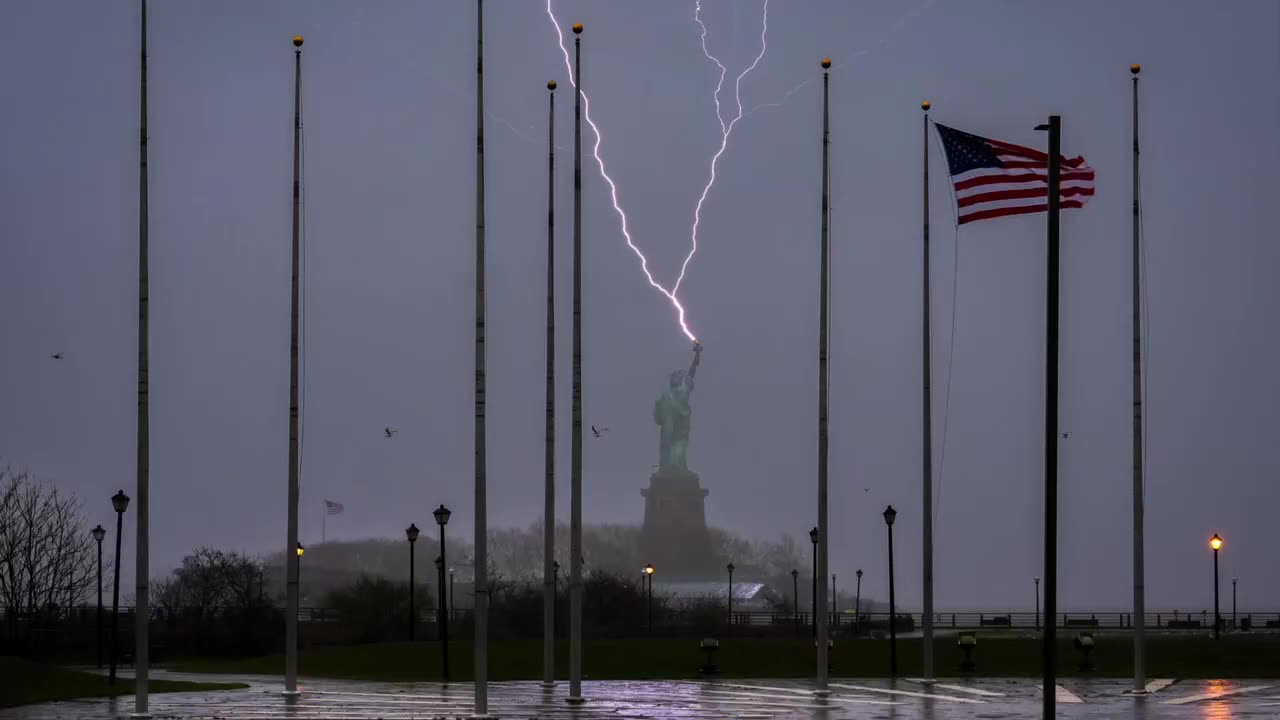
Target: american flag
(332, 508)
(993, 179)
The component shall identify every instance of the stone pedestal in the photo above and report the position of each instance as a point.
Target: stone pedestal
(674, 537)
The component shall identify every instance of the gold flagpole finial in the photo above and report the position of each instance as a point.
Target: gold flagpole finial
(297, 41)
(925, 106)
(1135, 68)
(577, 28)
(551, 84)
(826, 63)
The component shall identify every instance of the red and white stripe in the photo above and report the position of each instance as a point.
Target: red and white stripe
(1021, 186)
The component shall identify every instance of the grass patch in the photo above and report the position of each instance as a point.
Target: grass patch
(27, 682)
(1241, 656)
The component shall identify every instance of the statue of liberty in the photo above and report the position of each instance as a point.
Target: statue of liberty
(673, 415)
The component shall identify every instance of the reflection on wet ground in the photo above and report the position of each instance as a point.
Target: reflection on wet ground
(740, 699)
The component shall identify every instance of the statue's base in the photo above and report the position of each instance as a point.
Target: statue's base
(674, 538)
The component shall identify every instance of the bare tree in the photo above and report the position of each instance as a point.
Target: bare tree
(47, 560)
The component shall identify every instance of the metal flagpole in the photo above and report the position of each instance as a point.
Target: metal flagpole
(820, 581)
(575, 472)
(549, 452)
(291, 549)
(926, 452)
(1139, 573)
(141, 573)
(1049, 659)
(481, 611)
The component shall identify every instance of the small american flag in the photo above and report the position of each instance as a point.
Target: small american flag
(332, 508)
(993, 179)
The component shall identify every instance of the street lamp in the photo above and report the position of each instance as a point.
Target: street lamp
(1215, 542)
(795, 596)
(442, 616)
(411, 533)
(813, 592)
(1037, 603)
(889, 516)
(120, 502)
(729, 567)
(857, 600)
(648, 572)
(835, 619)
(98, 535)
(300, 550)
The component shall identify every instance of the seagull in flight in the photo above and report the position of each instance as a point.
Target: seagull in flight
(56, 356)
(390, 431)
(598, 432)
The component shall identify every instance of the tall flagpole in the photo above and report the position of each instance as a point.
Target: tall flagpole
(290, 550)
(549, 452)
(481, 611)
(575, 472)
(926, 451)
(1050, 635)
(1139, 573)
(142, 614)
(820, 582)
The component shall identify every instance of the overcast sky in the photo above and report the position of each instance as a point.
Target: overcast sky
(389, 112)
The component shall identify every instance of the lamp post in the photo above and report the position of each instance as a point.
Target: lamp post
(120, 502)
(453, 606)
(442, 514)
(98, 535)
(411, 533)
(834, 617)
(857, 600)
(729, 567)
(555, 576)
(648, 571)
(813, 593)
(1037, 603)
(795, 596)
(1233, 604)
(1215, 542)
(889, 516)
(299, 550)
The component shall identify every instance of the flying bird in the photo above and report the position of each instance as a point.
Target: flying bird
(390, 431)
(1066, 435)
(56, 356)
(598, 432)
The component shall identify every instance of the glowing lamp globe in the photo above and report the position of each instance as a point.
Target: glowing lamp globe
(1215, 542)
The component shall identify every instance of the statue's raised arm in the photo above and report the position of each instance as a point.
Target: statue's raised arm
(697, 358)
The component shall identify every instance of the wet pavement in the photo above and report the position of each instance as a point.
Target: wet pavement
(989, 699)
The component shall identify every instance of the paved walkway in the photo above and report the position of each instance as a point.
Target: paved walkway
(745, 700)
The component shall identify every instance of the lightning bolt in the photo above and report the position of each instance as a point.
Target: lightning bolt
(613, 187)
(725, 129)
